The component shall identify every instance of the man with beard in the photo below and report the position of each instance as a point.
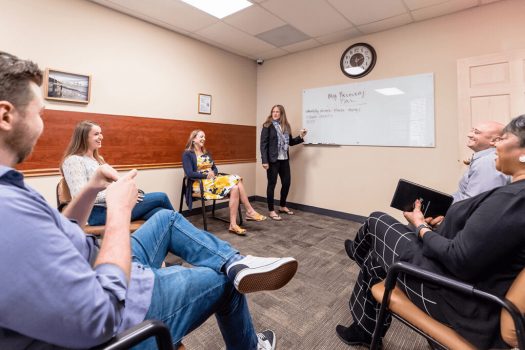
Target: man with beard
(60, 289)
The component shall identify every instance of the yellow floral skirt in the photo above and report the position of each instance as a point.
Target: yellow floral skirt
(218, 187)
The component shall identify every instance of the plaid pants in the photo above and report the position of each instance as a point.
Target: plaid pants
(378, 244)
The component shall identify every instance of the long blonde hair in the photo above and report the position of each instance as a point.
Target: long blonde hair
(79, 142)
(285, 126)
(189, 145)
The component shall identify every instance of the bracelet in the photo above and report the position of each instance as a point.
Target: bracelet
(420, 227)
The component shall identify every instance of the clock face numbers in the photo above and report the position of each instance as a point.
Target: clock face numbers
(358, 60)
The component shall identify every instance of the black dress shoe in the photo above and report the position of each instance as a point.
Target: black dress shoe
(354, 335)
(348, 248)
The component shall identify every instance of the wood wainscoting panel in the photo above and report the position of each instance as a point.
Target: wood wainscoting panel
(138, 142)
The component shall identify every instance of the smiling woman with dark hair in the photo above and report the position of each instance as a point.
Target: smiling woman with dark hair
(481, 241)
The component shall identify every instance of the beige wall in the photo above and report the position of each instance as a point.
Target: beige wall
(360, 179)
(143, 70)
(137, 69)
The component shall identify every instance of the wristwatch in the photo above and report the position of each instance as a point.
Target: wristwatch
(420, 227)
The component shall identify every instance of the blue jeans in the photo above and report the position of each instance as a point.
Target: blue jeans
(183, 298)
(152, 203)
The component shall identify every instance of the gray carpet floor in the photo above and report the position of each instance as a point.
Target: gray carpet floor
(305, 312)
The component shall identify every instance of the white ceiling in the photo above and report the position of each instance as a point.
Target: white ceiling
(273, 28)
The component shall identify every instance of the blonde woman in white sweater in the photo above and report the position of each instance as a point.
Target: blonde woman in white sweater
(80, 162)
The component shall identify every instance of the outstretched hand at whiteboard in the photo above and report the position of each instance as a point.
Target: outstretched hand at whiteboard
(302, 133)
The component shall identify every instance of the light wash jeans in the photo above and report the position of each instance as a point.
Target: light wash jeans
(184, 298)
(152, 203)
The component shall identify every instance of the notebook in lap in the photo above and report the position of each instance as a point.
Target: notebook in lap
(434, 203)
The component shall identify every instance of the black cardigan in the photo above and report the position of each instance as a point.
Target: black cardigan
(482, 242)
(270, 143)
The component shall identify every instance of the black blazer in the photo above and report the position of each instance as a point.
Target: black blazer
(270, 142)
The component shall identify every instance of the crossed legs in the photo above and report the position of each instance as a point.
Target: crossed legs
(238, 194)
(184, 298)
(380, 242)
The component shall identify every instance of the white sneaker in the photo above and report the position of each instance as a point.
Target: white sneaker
(253, 274)
(266, 340)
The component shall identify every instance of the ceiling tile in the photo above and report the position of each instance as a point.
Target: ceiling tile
(223, 33)
(417, 4)
(272, 54)
(443, 9)
(385, 24)
(172, 13)
(303, 45)
(282, 36)
(365, 11)
(292, 25)
(339, 36)
(313, 17)
(254, 20)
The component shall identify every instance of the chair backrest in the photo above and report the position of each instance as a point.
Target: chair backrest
(516, 294)
(63, 194)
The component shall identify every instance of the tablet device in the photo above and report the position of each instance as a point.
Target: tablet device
(433, 203)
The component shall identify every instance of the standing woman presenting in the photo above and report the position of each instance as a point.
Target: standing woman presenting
(276, 137)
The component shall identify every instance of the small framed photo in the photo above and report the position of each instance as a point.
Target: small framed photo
(68, 87)
(204, 104)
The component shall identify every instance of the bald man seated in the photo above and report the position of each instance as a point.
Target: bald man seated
(481, 175)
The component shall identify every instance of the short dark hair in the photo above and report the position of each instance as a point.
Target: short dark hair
(517, 127)
(15, 75)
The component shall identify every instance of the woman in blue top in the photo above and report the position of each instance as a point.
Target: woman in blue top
(276, 137)
(198, 164)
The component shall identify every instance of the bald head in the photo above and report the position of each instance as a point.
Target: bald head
(482, 135)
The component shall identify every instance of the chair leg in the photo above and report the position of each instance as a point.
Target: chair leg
(378, 330)
(182, 193)
(203, 205)
(213, 209)
(240, 214)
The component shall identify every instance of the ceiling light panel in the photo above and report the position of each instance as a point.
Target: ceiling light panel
(219, 8)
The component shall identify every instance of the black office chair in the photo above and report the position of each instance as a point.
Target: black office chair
(203, 202)
(139, 333)
(512, 322)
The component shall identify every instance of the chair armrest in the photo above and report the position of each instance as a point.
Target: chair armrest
(139, 333)
(453, 284)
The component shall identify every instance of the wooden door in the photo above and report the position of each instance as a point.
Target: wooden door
(490, 87)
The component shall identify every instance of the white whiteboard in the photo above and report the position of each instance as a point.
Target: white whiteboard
(367, 114)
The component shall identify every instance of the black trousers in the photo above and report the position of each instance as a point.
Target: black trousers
(281, 168)
(379, 243)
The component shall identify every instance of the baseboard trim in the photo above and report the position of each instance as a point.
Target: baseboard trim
(317, 210)
(303, 207)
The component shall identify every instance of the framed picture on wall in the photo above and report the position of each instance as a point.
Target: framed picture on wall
(68, 87)
(204, 104)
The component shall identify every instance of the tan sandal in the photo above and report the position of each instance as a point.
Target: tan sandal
(256, 217)
(289, 212)
(237, 230)
(276, 217)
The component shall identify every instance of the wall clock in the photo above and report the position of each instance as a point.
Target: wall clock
(358, 60)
